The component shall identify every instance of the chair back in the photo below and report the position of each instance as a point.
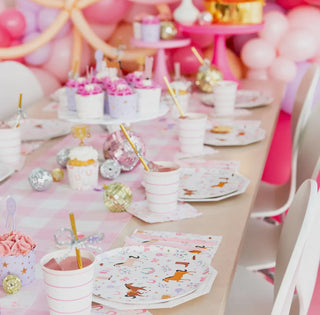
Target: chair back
(16, 78)
(293, 260)
(303, 102)
(308, 159)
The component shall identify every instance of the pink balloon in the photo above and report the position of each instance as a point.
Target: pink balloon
(258, 53)
(48, 82)
(239, 41)
(13, 21)
(273, 7)
(283, 69)
(275, 26)
(39, 56)
(59, 63)
(257, 74)
(297, 45)
(189, 64)
(307, 18)
(103, 31)
(17, 42)
(47, 16)
(2, 6)
(107, 11)
(28, 5)
(289, 4)
(5, 38)
(202, 41)
(137, 9)
(31, 21)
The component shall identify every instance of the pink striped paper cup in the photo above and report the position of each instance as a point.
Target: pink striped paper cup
(162, 187)
(10, 146)
(224, 95)
(192, 130)
(68, 291)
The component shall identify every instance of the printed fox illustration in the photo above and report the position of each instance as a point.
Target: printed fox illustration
(178, 276)
(133, 291)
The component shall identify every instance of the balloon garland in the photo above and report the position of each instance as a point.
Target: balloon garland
(72, 9)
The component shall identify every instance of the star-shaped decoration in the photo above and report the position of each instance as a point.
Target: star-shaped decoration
(5, 265)
(188, 192)
(24, 270)
(221, 184)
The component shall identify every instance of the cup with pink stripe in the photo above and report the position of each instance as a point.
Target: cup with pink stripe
(10, 146)
(192, 128)
(224, 95)
(162, 185)
(69, 289)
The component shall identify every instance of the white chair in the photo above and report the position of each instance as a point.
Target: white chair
(16, 78)
(273, 200)
(295, 266)
(261, 238)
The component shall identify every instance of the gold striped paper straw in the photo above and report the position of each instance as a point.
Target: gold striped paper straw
(19, 110)
(74, 229)
(134, 148)
(173, 96)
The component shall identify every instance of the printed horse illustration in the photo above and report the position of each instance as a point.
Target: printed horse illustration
(129, 262)
(178, 276)
(133, 291)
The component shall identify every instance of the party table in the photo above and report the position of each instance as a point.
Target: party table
(40, 214)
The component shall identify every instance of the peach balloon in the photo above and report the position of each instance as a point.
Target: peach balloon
(275, 26)
(298, 45)
(48, 82)
(257, 53)
(104, 31)
(60, 59)
(122, 35)
(257, 74)
(283, 69)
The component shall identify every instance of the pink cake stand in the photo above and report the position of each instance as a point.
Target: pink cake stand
(161, 68)
(220, 31)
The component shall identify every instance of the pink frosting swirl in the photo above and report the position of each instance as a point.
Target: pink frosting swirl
(89, 89)
(76, 83)
(134, 77)
(150, 19)
(111, 83)
(121, 89)
(146, 84)
(16, 244)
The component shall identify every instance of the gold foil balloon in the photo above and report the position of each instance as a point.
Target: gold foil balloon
(204, 80)
(117, 197)
(11, 284)
(168, 30)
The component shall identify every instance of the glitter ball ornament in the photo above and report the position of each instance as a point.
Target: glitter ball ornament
(117, 197)
(57, 174)
(63, 157)
(110, 169)
(11, 284)
(204, 80)
(40, 179)
(168, 30)
(205, 18)
(117, 147)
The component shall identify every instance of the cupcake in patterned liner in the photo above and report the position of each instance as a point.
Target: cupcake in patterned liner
(122, 101)
(17, 256)
(90, 101)
(149, 94)
(134, 77)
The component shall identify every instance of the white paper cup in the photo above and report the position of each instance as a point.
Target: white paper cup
(148, 100)
(68, 292)
(162, 188)
(90, 106)
(10, 146)
(191, 132)
(224, 95)
(183, 100)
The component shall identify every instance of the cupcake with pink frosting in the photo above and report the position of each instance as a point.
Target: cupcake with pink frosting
(17, 256)
(150, 29)
(122, 101)
(90, 101)
(133, 78)
(149, 94)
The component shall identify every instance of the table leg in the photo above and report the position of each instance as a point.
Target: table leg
(161, 68)
(220, 57)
